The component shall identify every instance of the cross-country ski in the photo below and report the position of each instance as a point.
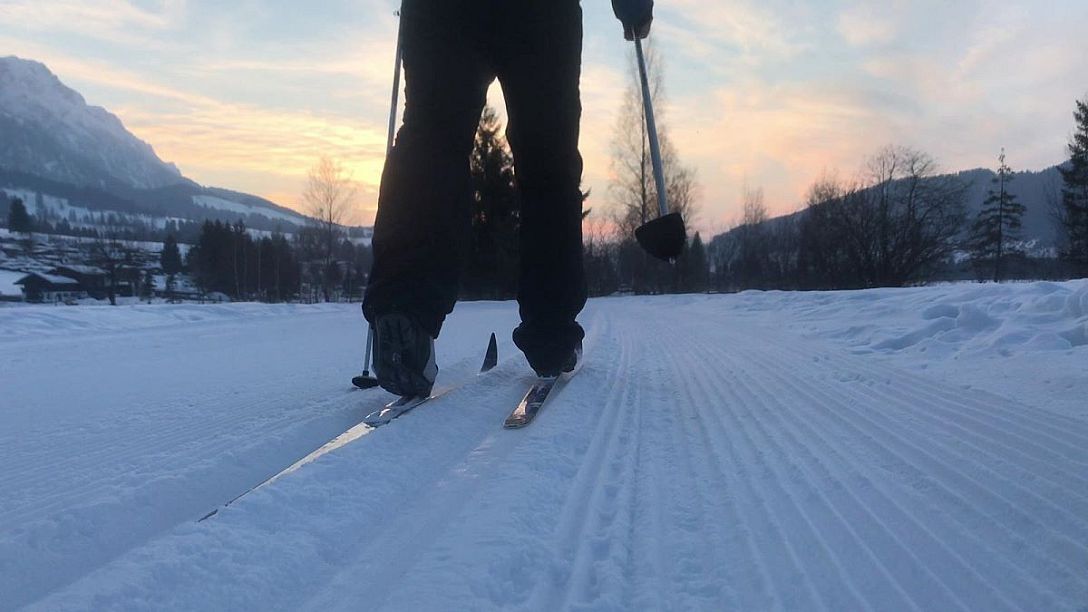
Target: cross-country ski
(531, 404)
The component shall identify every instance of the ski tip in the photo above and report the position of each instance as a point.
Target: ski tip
(491, 358)
(515, 423)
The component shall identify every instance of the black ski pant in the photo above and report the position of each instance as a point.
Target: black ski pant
(453, 50)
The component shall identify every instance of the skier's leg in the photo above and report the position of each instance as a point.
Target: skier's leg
(539, 66)
(425, 195)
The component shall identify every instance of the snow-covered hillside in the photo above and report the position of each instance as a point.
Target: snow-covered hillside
(292, 219)
(888, 449)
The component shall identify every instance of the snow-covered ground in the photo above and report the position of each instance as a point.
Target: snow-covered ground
(7, 283)
(888, 449)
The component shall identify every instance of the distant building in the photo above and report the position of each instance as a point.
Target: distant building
(50, 288)
(92, 280)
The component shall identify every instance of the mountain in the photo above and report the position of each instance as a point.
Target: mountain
(49, 130)
(77, 163)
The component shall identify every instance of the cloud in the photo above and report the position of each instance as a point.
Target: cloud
(866, 25)
(243, 146)
(756, 29)
(112, 21)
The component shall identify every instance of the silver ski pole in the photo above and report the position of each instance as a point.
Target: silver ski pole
(651, 130)
(665, 236)
(388, 150)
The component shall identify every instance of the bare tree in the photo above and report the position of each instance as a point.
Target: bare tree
(329, 196)
(633, 192)
(898, 224)
(111, 255)
(822, 260)
(754, 207)
(919, 215)
(752, 247)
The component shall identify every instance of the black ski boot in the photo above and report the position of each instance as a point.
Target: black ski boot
(551, 364)
(403, 356)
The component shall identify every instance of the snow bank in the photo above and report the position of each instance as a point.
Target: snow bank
(988, 336)
(45, 320)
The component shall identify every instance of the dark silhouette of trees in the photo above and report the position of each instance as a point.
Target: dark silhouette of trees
(900, 223)
(18, 218)
(171, 256)
(228, 260)
(696, 269)
(1074, 210)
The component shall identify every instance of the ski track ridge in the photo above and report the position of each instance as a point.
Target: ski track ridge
(907, 469)
(789, 523)
(713, 476)
(874, 436)
(771, 551)
(751, 412)
(861, 509)
(669, 450)
(1011, 508)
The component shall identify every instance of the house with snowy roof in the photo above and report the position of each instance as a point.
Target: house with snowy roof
(50, 288)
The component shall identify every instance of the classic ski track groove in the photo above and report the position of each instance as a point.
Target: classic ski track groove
(577, 543)
(226, 420)
(161, 446)
(408, 528)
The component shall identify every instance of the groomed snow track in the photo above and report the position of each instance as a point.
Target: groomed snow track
(700, 460)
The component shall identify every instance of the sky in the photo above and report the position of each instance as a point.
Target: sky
(770, 94)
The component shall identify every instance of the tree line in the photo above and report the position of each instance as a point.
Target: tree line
(228, 259)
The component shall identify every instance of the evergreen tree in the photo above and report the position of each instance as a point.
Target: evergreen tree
(18, 218)
(171, 255)
(492, 267)
(1075, 193)
(998, 223)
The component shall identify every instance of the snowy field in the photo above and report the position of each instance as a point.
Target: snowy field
(887, 450)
